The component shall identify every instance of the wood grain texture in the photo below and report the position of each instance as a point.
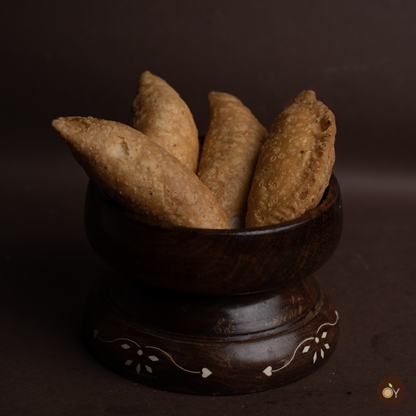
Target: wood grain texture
(211, 345)
(215, 262)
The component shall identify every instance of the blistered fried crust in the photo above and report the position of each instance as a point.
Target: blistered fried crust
(295, 163)
(139, 174)
(159, 112)
(229, 154)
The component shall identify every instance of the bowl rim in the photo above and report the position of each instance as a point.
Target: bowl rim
(329, 198)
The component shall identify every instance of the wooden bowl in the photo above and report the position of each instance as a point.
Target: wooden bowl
(212, 311)
(214, 262)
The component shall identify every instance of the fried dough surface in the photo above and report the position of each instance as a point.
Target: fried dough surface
(229, 154)
(295, 163)
(160, 113)
(139, 174)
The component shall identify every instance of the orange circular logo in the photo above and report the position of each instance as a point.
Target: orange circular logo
(391, 390)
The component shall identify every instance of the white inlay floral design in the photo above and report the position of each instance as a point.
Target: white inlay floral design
(269, 371)
(205, 372)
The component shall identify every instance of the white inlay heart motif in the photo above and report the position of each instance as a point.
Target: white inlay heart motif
(268, 371)
(206, 373)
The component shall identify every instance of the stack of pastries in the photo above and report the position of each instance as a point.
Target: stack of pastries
(243, 177)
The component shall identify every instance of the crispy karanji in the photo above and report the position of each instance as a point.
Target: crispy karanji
(295, 163)
(160, 113)
(229, 154)
(140, 174)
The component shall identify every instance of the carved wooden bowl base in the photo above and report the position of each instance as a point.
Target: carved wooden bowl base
(211, 345)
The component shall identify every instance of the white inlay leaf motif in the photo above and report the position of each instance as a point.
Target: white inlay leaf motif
(205, 372)
(268, 371)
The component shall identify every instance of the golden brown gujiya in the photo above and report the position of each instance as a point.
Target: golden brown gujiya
(229, 154)
(139, 174)
(295, 163)
(160, 113)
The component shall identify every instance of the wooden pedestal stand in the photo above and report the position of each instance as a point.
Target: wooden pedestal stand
(212, 312)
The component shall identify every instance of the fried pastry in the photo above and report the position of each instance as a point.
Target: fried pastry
(139, 174)
(159, 112)
(295, 163)
(229, 154)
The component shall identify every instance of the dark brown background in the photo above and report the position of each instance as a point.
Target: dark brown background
(85, 58)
